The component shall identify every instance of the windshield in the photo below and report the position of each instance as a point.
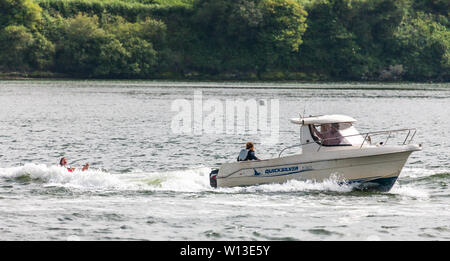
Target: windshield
(336, 134)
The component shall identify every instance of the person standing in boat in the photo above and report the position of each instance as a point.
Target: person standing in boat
(248, 153)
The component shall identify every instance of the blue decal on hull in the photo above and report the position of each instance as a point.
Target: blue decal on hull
(276, 172)
(256, 172)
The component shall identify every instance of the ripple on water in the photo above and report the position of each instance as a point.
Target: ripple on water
(259, 236)
(212, 234)
(323, 232)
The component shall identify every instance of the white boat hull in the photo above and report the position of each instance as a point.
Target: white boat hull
(374, 168)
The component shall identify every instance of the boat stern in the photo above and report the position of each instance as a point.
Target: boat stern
(213, 178)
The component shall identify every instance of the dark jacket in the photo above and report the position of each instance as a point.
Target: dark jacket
(250, 156)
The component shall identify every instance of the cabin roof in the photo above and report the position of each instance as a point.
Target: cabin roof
(323, 119)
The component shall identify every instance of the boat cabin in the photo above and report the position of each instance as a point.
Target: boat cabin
(328, 131)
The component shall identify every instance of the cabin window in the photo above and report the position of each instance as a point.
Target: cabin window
(351, 134)
(336, 134)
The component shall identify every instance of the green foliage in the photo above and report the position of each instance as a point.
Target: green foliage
(245, 35)
(140, 40)
(424, 48)
(229, 39)
(281, 33)
(108, 48)
(149, 29)
(41, 52)
(432, 6)
(350, 39)
(283, 24)
(130, 10)
(79, 49)
(15, 41)
(330, 47)
(19, 12)
(22, 50)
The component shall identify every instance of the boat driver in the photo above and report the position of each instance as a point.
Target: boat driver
(329, 134)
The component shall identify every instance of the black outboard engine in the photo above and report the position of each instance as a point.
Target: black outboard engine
(213, 178)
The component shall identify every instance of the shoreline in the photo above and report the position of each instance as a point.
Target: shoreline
(235, 84)
(47, 76)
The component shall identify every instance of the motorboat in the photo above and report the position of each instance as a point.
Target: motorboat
(330, 148)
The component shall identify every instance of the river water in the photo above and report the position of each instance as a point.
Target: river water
(149, 181)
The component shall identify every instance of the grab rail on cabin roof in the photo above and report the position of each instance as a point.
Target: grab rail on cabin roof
(367, 136)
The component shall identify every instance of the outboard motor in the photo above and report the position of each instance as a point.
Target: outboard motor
(213, 178)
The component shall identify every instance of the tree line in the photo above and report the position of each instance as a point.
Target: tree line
(318, 40)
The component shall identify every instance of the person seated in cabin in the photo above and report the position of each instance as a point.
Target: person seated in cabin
(63, 163)
(248, 153)
(329, 134)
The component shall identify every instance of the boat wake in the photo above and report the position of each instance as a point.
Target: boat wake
(189, 180)
(59, 176)
(292, 186)
(193, 180)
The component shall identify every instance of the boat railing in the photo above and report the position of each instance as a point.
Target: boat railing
(367, 138)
